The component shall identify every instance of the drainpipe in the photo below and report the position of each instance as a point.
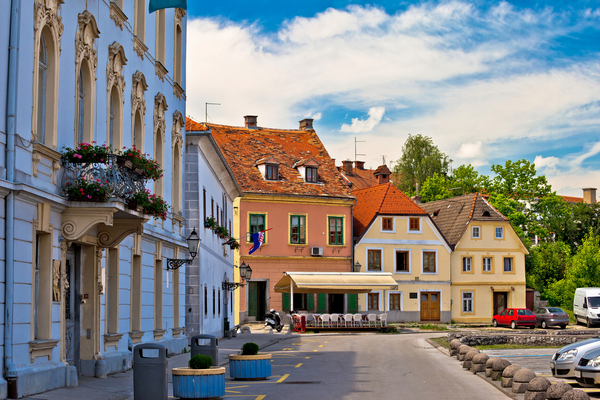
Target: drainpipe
(11, 109)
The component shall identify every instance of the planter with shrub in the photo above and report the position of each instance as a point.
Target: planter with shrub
(200, 380)
(250, 365)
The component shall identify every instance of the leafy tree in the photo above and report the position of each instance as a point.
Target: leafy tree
(512, 210)
(583, 271)
(547, 264)
(469, 180)
(519, 180)
(435, 188)
(420, 160)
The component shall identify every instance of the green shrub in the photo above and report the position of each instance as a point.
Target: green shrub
(200, 361)
(250, 349)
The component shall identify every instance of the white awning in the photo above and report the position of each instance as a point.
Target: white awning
(335, 282)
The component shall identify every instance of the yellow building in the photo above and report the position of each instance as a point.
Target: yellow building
(393, 234)
(488, 258)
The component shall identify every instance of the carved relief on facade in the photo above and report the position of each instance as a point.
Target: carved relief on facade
(46, 14)
(117, 15)
(114, 68)
(160, 106)
(178, 123)
(139, 87)
(139, 47)
(84, 41)
(161, 70)
(179, 14)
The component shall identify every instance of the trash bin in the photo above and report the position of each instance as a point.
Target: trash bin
(150, 372)
(207, 345)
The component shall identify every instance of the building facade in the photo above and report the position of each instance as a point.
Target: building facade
(292, 190)
(84, 277)
(210, 188)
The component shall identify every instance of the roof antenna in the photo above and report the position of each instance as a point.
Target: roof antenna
(383, 156)
(206, 110)
(355, 153)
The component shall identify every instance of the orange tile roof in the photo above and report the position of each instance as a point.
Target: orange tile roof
(571, 199)
(243, 147)
(193, 126)
(384, 199)
(360, 178)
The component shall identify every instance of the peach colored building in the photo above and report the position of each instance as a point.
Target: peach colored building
(292, 188)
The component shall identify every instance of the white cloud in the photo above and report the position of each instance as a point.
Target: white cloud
(316, 116)
(363, 126)
(595, 149)
(469, 150)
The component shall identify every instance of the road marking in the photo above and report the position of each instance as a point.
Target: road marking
(321, 346)
(315, 350)
(288, 348)
(261, 397)
(237, 387)
(283, 378)
(232, 391)
(324, 342)
(298, 366)
(307, 357)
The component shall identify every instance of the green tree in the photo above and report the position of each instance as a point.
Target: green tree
(469, 180)
(583, 271)
(513, 210)
(547, 264)
(435, 188)
(519, 180)
(420, 160)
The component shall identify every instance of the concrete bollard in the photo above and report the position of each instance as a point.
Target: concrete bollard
(246, 329)
(498, 367)
(454, 345)
(462, 352)
(469, 358)
(508, 375)
(556, 391)
(521, 379)
(575, 394)
(488, 367)
(536, 389)
(478, 363)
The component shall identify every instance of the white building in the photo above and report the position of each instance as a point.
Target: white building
(82, 281)
(210, 188)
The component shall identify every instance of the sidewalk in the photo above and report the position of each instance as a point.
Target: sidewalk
(119, 386)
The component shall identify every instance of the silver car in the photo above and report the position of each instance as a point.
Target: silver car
(587, 371)
(565, 360)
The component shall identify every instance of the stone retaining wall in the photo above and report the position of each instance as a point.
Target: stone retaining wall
(484, 338)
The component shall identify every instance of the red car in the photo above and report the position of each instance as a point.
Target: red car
(515, 317)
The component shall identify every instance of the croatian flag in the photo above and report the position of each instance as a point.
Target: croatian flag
(257, 238)
(160, 4)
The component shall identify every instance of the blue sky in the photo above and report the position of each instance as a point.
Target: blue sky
(488, 81)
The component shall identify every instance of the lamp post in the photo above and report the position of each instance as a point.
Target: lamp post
(356, 267)
(245, 273)
(193, 242)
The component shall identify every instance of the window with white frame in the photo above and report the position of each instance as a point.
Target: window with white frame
(374, 260)
(487, 264)
(402, 261)
(467, 302)
(499, 232)
(466, 264)
(476, 232)
(429, 264)
(373, 302)
(395, 301)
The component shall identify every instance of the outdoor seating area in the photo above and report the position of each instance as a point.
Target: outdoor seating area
(303, 321)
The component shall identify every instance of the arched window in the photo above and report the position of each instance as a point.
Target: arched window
(159, 158)
(161, 21)
(138, 132)
(42, 79)
(176, 182)
(177, 52)
(111, 121)
(80, 106)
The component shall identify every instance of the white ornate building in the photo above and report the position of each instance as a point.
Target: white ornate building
(83, 281)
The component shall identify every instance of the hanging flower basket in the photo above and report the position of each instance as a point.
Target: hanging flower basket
(89, 199)
(133, 205)
(86, 153)
(142, 164)
(90, 190)
(123, 162)
(151, 204)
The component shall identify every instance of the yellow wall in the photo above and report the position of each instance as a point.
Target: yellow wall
(481, 283)
(414, 281)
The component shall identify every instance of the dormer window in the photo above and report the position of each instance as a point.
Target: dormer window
(311, 175)
(272, 173)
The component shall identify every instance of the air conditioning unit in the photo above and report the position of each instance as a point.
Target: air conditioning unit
(316, 251)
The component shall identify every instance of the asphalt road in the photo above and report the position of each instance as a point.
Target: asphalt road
(363, 367)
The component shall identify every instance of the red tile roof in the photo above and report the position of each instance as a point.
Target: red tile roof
(571, 199)
(193, 126)
(384, 199)
(243, 148)
(363, 178)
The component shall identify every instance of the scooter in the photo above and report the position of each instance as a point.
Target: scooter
(273, 320)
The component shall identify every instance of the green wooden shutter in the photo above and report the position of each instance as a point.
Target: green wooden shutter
(285, 300)
(352, 303)
(311, 301)
(252, 300)
(321, 303)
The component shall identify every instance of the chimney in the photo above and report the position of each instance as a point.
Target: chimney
(306, 124)
(416, 199)
(360, 165)
(250, 121)
(347, 167)
(589, 195)
(383, 174)
(383, 178)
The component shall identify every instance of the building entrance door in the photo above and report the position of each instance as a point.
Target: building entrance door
(72, 307)
(336, 303)
(257, 296)
(430, 306)
(500, 302)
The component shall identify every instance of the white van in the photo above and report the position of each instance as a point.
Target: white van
(586, 306)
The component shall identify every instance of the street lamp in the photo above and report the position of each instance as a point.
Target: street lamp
(245, 273)
(356, 267)
(193, 242)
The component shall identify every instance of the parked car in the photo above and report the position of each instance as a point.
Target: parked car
(551, 316)
(565, 360)
(587, 369)
(586, 306)
(515, 317)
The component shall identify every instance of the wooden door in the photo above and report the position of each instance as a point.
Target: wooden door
(500, 302)
(252, 300)
(430, 306)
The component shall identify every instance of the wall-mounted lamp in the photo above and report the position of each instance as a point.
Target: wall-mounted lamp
(245, 273)
(512, 288)
(492, 288)
(193, 243)
(235, 210)
(356, 267)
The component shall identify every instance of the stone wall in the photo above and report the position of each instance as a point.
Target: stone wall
(539, 338)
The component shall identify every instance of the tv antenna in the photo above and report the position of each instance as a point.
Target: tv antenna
(383, 157)
(206, 110)
(355, 153)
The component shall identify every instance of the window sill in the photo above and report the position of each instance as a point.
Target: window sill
(177, 332)
(159, 333)
(139, 46)
(136, 336)
(41, 348)
(403, 272)
(112, 339)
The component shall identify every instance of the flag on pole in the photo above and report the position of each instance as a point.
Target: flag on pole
(160, 4)
(258, 238)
